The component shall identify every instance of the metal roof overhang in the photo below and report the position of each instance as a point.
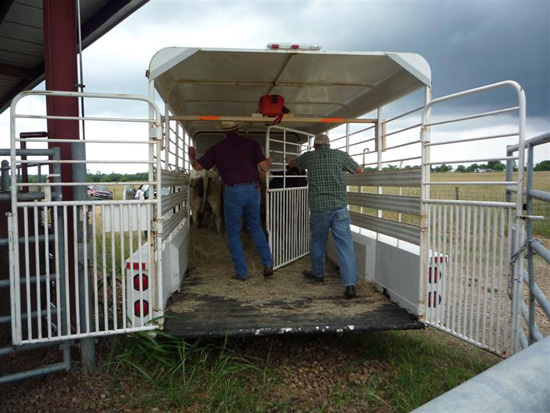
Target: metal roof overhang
(229, 82)
(22, 38)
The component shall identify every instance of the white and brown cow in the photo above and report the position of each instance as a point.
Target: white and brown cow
(206, 198)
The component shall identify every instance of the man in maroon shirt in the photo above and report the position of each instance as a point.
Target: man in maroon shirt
(237, 159)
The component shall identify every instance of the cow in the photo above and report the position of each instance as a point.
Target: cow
(206, 198)
(293, 179)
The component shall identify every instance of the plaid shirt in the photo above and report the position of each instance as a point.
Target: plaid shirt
(327, 191)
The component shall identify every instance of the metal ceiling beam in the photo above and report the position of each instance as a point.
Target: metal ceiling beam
(16, 71)
(267, 83)
(5, 7)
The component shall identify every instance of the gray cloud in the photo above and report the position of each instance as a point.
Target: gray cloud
(468, 44)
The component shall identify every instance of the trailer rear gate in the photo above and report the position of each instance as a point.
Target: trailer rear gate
(212, 303)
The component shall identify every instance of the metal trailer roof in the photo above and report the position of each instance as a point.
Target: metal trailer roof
(328, 84)
(22, 38)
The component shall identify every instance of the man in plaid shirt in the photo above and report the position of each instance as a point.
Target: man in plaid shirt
(328, 205)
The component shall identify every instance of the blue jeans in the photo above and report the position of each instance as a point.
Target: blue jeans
(338, 221)
(244, 201)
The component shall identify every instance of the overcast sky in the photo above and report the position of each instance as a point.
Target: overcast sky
(467, 43)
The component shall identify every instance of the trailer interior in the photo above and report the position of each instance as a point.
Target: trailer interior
(324, 91)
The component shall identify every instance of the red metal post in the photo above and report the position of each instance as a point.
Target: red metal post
(60, 60)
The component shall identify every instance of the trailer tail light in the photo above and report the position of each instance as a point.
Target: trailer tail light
(434, 275)
(141, 282)
(291, 46)
(137, 308)
(434, 299)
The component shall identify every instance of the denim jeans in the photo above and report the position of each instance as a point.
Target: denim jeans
(244, 201)
(338, 221)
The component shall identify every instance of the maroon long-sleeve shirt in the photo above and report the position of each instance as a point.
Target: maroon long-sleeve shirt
(236, 157)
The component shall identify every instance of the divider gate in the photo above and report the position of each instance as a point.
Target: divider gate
(62, 289)
(471, 250)
(287, 210)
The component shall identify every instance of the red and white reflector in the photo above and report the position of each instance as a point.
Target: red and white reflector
(138, 305)
(293, 46)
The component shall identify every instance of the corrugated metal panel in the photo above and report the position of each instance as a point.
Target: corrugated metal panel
(394, 229)
(230, 82)
(395, 203)
(398, 178)
(170, 178)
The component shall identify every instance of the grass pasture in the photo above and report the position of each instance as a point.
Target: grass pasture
(394, 371)
(474, 192)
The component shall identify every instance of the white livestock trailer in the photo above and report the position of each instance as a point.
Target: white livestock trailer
(448, 263)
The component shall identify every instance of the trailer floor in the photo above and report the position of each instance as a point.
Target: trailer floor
(212, 303)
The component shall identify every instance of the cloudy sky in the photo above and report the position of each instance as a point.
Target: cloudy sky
(467, 43)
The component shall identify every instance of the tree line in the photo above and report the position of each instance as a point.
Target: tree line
(496, 166)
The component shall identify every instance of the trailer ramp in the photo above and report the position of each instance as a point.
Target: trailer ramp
(212, 303)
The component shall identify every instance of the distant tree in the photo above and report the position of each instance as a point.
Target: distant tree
(442, 168)
(495, 166)
(390, 168)
(542, 166)
(460, 168)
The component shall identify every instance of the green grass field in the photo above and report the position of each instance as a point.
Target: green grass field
(393, 371)
(472, 193)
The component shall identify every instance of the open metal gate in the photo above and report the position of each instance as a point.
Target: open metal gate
(287, 210)
(471, 250)
(68, 259)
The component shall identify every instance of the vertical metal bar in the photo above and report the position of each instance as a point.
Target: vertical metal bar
(66, 269)
(36, 213)
(481, 279)
(468, 266)
(449, 273)
(122, 270)
(151, 257)
(55, 212)
(95, 264)
(429, 292)
(439, 290)
(84, 212)
(486, 274)
(424, 195)
(76, 275)
(461, 280)
(530, 263)
(508, 302)
(476, 275)
(27, 272)
(104, 264)
(131, 270)
(444, 274)
(494, 266)
(47, 286)
(140, 265)
(113, 267)
(501, 277)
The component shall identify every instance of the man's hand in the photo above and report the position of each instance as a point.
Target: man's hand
(265, 164)
(192, 152)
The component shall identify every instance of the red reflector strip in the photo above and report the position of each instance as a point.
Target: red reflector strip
(136, 265)
(330, 120)
(209, 118)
